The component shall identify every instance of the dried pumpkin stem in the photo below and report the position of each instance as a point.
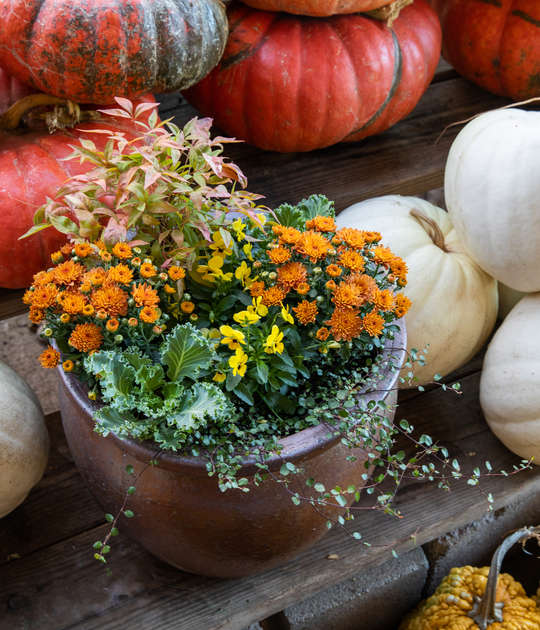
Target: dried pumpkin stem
(390, 12)
(431, 228)
(65, 113)
(486, 610)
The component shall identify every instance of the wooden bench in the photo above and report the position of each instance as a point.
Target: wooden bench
(48, 577)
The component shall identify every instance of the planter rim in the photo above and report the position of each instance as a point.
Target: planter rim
(294, 447)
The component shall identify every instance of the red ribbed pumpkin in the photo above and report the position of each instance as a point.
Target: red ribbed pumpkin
(91, 51)
(288, 83)
(317, 8)
(31, 169)
(495, 43)
(11, 90)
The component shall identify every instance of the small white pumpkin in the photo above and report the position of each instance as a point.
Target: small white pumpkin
(454, 302)
(24, 441)
(492, 192)
(510, 381)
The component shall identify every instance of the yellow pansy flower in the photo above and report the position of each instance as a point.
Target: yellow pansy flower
(258, 307)
(274, 343)
(287, 315)
(233, 338)
(238, 362)
(246, 318)
(219, 377)
(239, 228)
(247, 250)
(222, 242)
(243, 272)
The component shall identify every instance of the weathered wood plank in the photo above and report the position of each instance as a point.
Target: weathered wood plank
(145, 593)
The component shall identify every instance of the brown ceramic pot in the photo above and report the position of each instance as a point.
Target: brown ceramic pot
(183, 518)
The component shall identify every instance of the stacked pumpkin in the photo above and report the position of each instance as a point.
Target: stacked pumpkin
(321, 73)
(87, 52)
(496, 44)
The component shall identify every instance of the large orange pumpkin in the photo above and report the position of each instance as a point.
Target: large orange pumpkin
(495, 43)
(289, 83)
(32, 169)
(91, 51)
(317, 8)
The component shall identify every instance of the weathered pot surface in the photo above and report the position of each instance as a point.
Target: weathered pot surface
(183, 518)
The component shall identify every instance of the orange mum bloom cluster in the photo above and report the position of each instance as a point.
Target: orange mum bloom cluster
(93, 298)
(338, 282)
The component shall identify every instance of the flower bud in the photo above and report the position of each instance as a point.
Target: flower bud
(48, 332)
(317, 270)
(272, 275)
(118, 338)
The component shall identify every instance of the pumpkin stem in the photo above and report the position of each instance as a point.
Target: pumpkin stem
(390, 12)
(65, 113)
(486, 610)
(431, 228)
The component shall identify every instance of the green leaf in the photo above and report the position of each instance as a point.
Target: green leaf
(63, 224)
(203, 400)
(316, 205)
(244, 394)
(185, 352)
(262, 372)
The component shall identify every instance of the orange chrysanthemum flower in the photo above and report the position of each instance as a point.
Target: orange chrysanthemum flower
(112, 324)
(306, 312)
(122, 250)
(372, 237)
(384, 300)
(289, 236)
(43, 296)
(257, 288)
(344, 324)
(88, 309)
(144, 295)
(401, 305)
(86, 337)
(120, 273)
(82, 250)
(149, 314)
(352, 237)
(273, 296)
(56, 257)
(43, 277)
(279, 255)
(352, 260)
(399, 267)
(334, 270)
(383, 255)
(277, 229)
(111, 299)
(49, 358)
(66, 249)
(95, 277)
(68, 365)
(348, 296)
(322, 334)
(313, 244)
(133, 321)
(291, 275)
(373, 324)
(303, 288)
(322, 224)
(365, 284)
(148, 270)
(168, 289)
(331, 285)
(72, 303)
(187, 307)
(36, 315)
(68, 272)
(105, 255)
(176, 272)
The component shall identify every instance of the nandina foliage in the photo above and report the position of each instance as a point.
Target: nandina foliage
(288, 83)
(11, 90)
(32, 169)
(93, 50)
(495, 43)
(317, 8)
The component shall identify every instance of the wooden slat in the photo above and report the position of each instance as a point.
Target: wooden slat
(10, 303)
(145, 593)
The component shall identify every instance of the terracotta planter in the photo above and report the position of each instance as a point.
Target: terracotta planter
(180, 514)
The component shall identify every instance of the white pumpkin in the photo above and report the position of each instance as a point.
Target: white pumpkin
(508, 298)
(510, 380)
(24, 441)
(492, 192)
(454, 302)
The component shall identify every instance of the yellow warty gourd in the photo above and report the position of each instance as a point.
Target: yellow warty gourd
(449, 607)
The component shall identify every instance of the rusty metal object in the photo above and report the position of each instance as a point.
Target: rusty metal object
(180, 514)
